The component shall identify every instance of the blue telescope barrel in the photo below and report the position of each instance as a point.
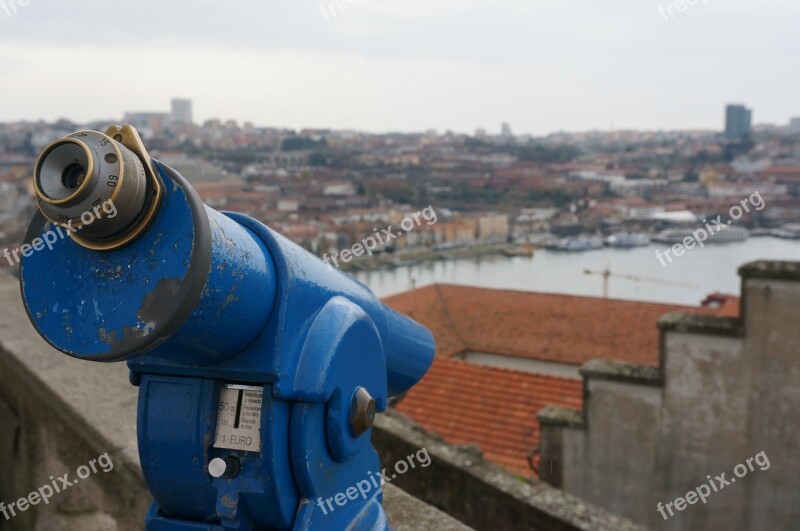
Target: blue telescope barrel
(195, 289)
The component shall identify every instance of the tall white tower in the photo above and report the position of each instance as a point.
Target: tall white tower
(182, 111)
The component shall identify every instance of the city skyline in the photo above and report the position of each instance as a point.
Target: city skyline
(377, 66)
(499, 131)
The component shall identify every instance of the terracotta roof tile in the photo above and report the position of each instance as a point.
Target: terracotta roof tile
(426, 306)
(550, 327)
(494, 408)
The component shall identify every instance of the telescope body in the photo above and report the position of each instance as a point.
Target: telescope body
(260, 368)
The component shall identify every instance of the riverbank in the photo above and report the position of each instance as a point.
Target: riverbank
(412, 257)
(687, 280)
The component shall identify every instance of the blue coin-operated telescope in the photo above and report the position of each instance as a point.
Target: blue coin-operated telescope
(260, 368)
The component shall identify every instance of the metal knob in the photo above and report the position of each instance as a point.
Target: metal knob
(362, 412)
(228, 467)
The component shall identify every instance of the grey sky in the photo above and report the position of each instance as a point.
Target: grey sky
(542, 65)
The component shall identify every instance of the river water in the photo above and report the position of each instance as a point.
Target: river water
(687, 280)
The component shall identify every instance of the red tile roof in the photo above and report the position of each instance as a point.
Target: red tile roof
(494, 408)
(786, 171)
(497, 408)
(549, 327)
(724, 304)
(426, 306)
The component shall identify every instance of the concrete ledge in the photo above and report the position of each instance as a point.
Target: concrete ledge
(407, 513)
(618, 371)
(67, 415)
(771, 269)
(58, 413)
(480, 494)
(561, 417)
(701, 324)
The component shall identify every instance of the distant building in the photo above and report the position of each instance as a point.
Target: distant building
(149, 124)
(794, 126)
(339, 188)
(738, 121)
(182, 111)
(644, 212)
(288, 205)
(505, 131)
(493, 228)
(9, 197)
(456, 233)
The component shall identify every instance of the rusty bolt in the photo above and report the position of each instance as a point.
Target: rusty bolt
(362, 412)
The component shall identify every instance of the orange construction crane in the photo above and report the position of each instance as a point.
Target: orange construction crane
(606, 274)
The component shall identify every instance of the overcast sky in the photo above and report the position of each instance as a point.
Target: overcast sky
(405, 65)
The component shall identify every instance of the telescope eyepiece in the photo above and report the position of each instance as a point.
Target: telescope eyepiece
(92, 183)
